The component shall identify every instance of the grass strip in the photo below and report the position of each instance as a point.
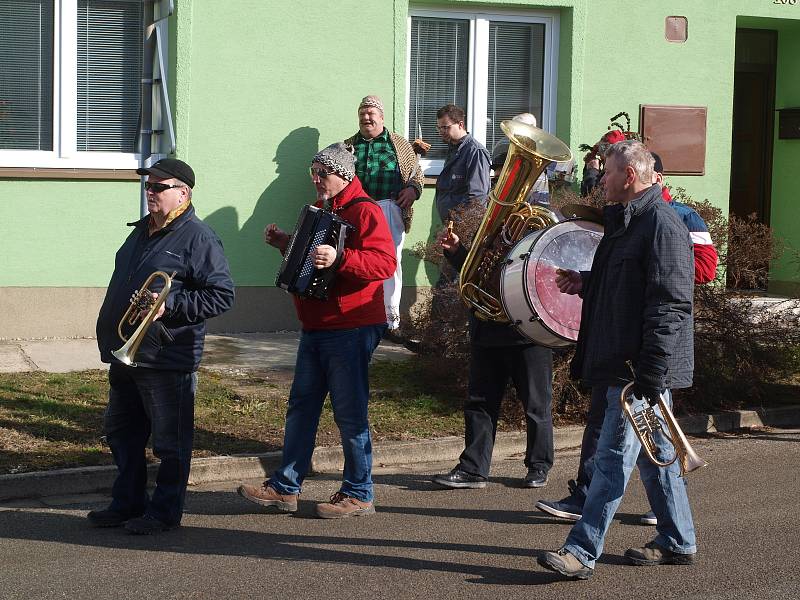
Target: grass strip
(50, 421)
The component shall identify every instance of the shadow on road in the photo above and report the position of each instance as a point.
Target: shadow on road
(73, 529)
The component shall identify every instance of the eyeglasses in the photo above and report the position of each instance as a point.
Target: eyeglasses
(157, 188)
(445, 127)
(321, 173)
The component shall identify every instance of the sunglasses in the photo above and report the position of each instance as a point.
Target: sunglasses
(321, 173)
(157, 188)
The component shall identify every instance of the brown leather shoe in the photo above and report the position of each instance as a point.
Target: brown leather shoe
(653, 554)
(564, 562)
(267, 496)
(341, 506)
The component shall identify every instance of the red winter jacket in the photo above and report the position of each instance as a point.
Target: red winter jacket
(356, 296)
(705, 254)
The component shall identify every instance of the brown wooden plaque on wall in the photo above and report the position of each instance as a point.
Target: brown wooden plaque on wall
(678, 135)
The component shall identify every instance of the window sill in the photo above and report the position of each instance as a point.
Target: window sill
(51, 173)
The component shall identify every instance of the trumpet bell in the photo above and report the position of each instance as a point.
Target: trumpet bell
(127, 352)
(645, 423)
(536, 141)
(124, 354)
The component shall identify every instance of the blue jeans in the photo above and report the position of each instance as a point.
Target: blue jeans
(591, 435)
(617, 453)
(335, 361)
(143, 403)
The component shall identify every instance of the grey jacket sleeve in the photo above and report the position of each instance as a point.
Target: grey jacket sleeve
(478, 167)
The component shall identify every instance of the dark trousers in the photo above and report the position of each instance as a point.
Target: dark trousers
(530, 368)
(144, 403)
(591, 435)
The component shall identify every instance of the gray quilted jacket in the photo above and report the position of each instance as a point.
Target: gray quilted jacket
(637, 299)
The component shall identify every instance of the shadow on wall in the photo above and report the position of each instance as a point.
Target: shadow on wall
(253, 262)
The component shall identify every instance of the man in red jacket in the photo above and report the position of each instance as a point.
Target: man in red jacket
(338, 338)
(705, 254)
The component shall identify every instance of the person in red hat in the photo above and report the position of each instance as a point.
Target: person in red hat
(592, 161)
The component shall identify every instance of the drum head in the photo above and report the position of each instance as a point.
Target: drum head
(566, 245)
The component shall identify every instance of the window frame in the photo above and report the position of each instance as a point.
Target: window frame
(65, 153)
(478, 68)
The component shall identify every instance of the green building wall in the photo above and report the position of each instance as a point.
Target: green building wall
(258, 86)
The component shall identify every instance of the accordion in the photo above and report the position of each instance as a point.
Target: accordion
(297, 274)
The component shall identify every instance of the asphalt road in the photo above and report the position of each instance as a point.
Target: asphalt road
(424, 542)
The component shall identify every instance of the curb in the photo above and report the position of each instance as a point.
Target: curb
(85, 480)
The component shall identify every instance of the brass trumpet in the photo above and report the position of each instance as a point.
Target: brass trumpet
(142, 300)
(645, 423)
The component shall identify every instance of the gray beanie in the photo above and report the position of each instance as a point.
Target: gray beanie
(339, 158)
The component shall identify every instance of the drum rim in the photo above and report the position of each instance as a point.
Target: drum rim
(533, 238)
(593, 227)
(555, 341)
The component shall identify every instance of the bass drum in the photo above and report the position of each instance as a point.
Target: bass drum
(528, 289)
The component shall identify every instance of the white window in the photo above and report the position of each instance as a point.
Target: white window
(493, 65)
(70, 83)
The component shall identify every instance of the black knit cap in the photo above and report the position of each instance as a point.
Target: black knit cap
(170, 168)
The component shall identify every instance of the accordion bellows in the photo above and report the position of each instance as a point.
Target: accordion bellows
(297, 274)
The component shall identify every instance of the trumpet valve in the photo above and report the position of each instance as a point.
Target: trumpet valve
(647, 420)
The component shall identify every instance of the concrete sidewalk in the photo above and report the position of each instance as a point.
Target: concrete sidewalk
(238, 351)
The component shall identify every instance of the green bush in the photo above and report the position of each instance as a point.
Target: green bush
(742, 342)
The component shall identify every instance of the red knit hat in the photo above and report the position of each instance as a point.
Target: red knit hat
(613, 136)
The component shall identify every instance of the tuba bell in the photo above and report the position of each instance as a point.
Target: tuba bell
(142, 301)
(508, 216)
(645, 423)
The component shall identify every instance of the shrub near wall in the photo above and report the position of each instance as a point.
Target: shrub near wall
(742, 343)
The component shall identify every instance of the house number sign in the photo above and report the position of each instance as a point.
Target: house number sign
(784, 1)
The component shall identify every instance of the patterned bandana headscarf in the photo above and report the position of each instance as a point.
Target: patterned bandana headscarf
(371, 102)
(339, 158)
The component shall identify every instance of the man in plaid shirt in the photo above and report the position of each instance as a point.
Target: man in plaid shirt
(389, 171)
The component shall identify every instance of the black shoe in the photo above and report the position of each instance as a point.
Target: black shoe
(147, 525)
(413, 345)
(535, 478)
(107, 518)
(648, 518)
(570, 508)
(460, 479)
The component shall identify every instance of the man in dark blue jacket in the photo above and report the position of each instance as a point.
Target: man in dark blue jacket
(636, 324)
(155, 395)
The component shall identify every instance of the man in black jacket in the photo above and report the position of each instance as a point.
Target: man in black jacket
(636, 324)
(498, 353)
(155, 395)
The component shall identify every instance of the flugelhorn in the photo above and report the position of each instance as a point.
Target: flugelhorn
(508, 217)
(142, 300)
(646, 423)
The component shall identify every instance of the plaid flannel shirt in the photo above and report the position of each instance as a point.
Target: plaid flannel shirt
(377, 166)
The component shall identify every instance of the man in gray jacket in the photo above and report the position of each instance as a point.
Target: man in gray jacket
(465, 174)
(636, 324)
